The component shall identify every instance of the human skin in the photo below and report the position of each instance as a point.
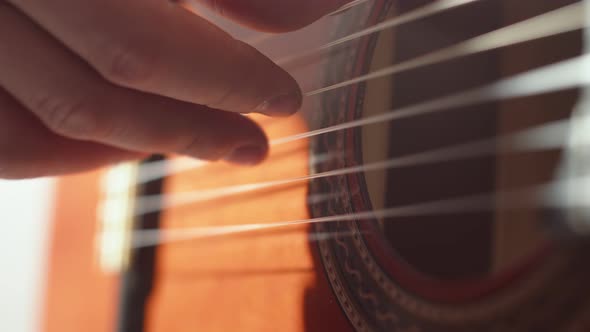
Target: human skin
(87, 83)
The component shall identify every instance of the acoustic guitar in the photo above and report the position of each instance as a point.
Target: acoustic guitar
(435, 180)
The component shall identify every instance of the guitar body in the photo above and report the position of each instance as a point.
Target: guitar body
(490, 270)
(79, 295)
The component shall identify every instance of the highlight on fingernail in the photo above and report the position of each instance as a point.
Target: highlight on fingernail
(285, 104)
(248, 155)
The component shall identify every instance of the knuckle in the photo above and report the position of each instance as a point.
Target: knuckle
(126, 66)
(76, 118)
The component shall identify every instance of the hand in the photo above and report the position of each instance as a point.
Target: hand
(86, 83)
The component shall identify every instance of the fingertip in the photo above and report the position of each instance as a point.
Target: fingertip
(282, 105)
(228, 136)
(248, 155)
(251, 147)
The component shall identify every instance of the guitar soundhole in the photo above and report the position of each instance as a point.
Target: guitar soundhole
(461, 245)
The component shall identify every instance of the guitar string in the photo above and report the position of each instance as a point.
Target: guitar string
(348, 6)
(551, 195)
(150, 239)
(565, 19)
(158, 169)
(564, 75)
(261, 38)
(475, 93)
(413, 15)
(544, 137)
(383, 213)
(561, 20)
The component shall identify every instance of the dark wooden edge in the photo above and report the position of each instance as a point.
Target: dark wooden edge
(137, 281)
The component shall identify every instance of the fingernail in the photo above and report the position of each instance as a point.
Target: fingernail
(247, 155)
(286, 104)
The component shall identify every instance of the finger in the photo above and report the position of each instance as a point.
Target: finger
(275, 15)
(159, 47)
(75, 102)
(28, 149)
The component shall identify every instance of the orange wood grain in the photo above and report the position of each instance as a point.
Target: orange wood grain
(79, 297)
(259, 281)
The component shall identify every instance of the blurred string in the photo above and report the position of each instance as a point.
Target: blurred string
(558, 21)
(544, 137)
(261, 38)
(414, 15)
(560, 76)
(550, 195)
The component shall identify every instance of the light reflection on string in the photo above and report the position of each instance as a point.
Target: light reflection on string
(558, 21)
(414, 15)
(559, 76)
(544, 137)
(548, 195)
(261, 38)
